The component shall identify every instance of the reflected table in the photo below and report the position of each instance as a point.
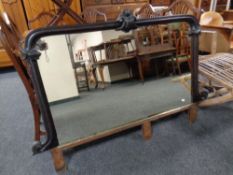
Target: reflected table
(155, 52)
(115, 51)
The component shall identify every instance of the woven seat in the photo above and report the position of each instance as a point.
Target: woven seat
(216, 79)
(218, 67)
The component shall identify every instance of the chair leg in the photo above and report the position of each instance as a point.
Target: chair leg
(147, 130)
(173, 65)
(36, 113)
(156, 69)
(101, 72)
(129, 70)
(140, 69)
(190, 65)
(166, 68)
(37, 125)
(192, 113)
(95, 77)
(86, 77)
(58, 159)
(179, 70)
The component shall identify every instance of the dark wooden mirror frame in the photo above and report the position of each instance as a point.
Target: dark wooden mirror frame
(125, 22)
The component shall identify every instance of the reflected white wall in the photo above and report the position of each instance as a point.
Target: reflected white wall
(56, 70)
(112, 72)
(91, 39)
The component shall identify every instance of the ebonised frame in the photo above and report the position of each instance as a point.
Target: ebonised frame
(125, 22)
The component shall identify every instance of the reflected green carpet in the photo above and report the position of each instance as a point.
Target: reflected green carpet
(119, 104)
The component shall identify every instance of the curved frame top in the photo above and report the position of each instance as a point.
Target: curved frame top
(125, 22)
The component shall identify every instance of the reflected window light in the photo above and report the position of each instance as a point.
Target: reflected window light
(228, 5)
(6, 18)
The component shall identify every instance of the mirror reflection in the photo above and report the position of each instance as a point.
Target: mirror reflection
(101, 80)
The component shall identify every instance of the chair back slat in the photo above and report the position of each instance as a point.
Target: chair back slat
(11, 40)
(183, 7)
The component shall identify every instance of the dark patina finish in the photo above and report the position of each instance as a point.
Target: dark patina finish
(125, 22)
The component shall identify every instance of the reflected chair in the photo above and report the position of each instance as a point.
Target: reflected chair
(152, 41)
(110, 52)
(79, 66)
(145, 12)
(180, 32)
(91, 15)
(148, 44)
(181, 7)
(183, 51)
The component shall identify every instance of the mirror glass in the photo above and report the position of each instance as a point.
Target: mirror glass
(103, 80)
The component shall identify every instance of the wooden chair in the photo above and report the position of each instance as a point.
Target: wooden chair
(149, 46)
(215, 80)
(215, 70)
(146, 11)
(152, 41)
(11, 39)
(182, 7)
(211, 18)
(91, 15)
(180, 34)
(79, 66)
(183, 51)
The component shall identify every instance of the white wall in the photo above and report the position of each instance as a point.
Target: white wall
(112, 72)
(56, 70)
(92, 39)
